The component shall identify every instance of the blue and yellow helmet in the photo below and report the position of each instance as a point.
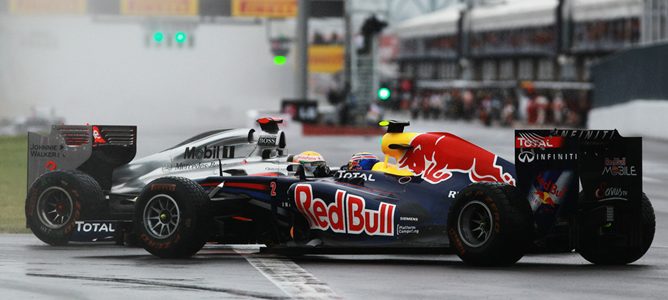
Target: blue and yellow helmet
(362, 161)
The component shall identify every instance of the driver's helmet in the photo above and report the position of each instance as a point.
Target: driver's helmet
(362, 161)
(310, 160)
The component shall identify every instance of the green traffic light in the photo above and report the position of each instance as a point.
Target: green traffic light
(158, 36)
(279, 60)
(384, 93)
(180, 37)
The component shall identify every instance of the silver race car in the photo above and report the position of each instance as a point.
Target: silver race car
(83, 182)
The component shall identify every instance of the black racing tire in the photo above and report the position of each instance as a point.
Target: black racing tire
(57, 200)
(600, 252)
(506, 226)
(183, 229)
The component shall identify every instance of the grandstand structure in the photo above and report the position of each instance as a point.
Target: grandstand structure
(655, 22)
(546, 44)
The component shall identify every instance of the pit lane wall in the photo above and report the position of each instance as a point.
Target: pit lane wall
(630, 92)
(646, 118)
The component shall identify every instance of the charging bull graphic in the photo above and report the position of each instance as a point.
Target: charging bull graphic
(435, 156)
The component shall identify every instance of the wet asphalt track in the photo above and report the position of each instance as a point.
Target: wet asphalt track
(30, 269)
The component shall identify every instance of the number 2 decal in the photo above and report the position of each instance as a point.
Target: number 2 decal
(273, 188)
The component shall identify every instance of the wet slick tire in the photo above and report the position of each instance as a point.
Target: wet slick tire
(57, 200)
(171, 217)
(602, 252)
(489, 225)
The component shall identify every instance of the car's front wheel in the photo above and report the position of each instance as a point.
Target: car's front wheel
(171, 217)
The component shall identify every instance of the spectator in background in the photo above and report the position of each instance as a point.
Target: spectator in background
(415, 108)
(436, 105)
(508, 113)
(456, 105)
(374, 114)
(567, 107)
(496, 107)
(424, 104)
(558, 107)
(318, 38)
(542, 105)
(532, 111)
(585, 107)
(335, 38)
(447, 103)
(485, 110)
(467, 105)
(405, 103)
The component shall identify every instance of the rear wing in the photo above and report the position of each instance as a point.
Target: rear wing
(93, 149)
(552, 165)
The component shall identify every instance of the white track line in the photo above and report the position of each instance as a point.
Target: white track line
(292, 279)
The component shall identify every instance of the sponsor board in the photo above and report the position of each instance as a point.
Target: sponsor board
(209, 152)
(533, 140)
(539, 146)
(606, 193)
(264, 8)
(586, 134)
(326, 58)
(47, 151)
(618, 167)
(347, 214)
(39, 7)
(95, 227)
(160, 7)
(182, 166)
(266, 140)
(407, 229)
(529, 156)
(279, 169)
(163, 187)
(342, 174)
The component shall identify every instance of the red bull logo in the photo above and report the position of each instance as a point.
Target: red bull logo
(436, 156)
(347, 214)
(545, 198)
(548, 191)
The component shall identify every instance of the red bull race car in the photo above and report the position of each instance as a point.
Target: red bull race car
(434, 191)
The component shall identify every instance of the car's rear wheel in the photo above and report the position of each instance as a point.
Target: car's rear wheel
(599, 249)
(489, 225)
(172, 217)
(57, 200)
